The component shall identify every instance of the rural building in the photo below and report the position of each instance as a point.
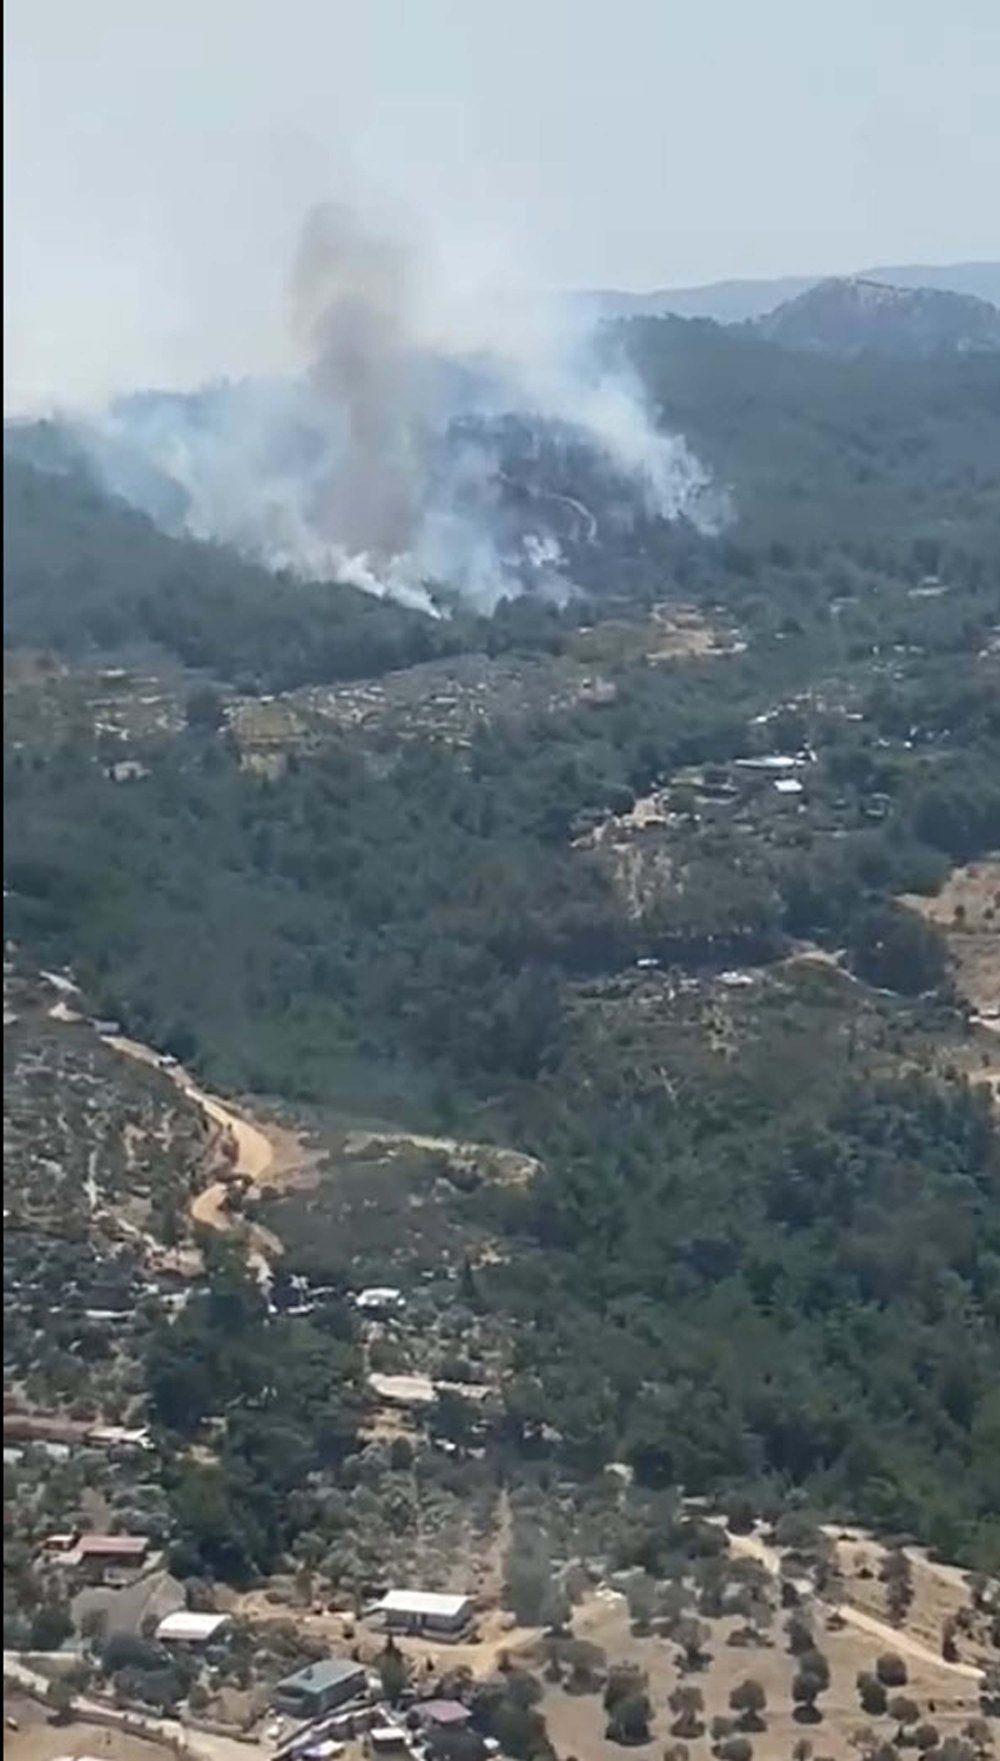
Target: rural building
(778, 763)
(23, 1427)
(49, 1428)
(120, 1436)
(61, 1543)
(186, 1628)
(320, 1687)
(380, 1300)
(442, 1714)
(109, 1559)
(426, 1611)
(410, 1392)
(387, 1739)
(415, 1392)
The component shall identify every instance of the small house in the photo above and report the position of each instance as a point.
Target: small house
(380, 1300)
(426, 1611)
(110, 1559)
(61, 1543)
(320, 1687)
(387, 1739)
(187, 1628)
(409, 1392)
(442, 1714)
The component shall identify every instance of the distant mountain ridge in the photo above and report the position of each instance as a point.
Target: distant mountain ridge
(850, 315)
(733, 302)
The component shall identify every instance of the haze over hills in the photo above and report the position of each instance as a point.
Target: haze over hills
(850, 316)
(587, 942)
(733, 302)
(501, 884)
(780, 415)
(413, 456)
(527, 882)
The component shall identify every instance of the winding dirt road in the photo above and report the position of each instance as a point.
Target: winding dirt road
(255, 1158)
(254, 1150)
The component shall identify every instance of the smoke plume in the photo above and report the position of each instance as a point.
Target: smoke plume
(350, 303)
(385, 459)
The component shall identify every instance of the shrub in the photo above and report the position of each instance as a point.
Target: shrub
(799, 1634)
(749, 1699)
(872, 1694)
(629, 1721)
(736, 1749)
(891, 1670)
(904, 1710)
(623, 1680)
(687, 1705)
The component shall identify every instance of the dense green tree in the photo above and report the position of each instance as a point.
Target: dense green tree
(391, 1665)
(894, 948)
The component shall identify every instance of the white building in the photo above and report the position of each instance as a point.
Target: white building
(380, 1299)
(187, 1628)
(426, 1611)
(402, 1390)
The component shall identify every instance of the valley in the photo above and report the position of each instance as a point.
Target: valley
(504, 1107)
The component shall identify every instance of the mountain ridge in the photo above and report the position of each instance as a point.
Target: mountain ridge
(736, 300)
(851, 315)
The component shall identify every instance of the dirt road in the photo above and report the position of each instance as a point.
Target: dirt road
(754, 1547)
(259, 1155)
(254, 1150)
(169, 1731)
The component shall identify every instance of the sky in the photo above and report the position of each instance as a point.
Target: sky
(159, 159)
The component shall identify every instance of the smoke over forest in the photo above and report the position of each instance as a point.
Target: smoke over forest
(386, 458)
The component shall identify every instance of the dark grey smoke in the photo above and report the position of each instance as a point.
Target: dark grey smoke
(350, 302)
(383, 462)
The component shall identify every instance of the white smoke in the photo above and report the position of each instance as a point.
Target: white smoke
(380, 462)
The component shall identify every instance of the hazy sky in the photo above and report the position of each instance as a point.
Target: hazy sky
(159, 157)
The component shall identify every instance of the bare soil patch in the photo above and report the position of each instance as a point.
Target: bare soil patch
(506, 1167)
(576, 1723)
(967, 911)
(37, 1740)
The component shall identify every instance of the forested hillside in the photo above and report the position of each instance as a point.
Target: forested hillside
(876, 451)
(85, 574)
(852, 315)
(648, 933)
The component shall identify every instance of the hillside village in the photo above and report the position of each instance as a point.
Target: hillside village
(501, 1161)
(471, 1643)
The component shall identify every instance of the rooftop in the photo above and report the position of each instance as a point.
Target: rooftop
(444, 1711)
(187, 1625)
(407, 1390)
(778, 761)
(327, 1673)
(122, 1546)
(427, 1602)
(379, 1296)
